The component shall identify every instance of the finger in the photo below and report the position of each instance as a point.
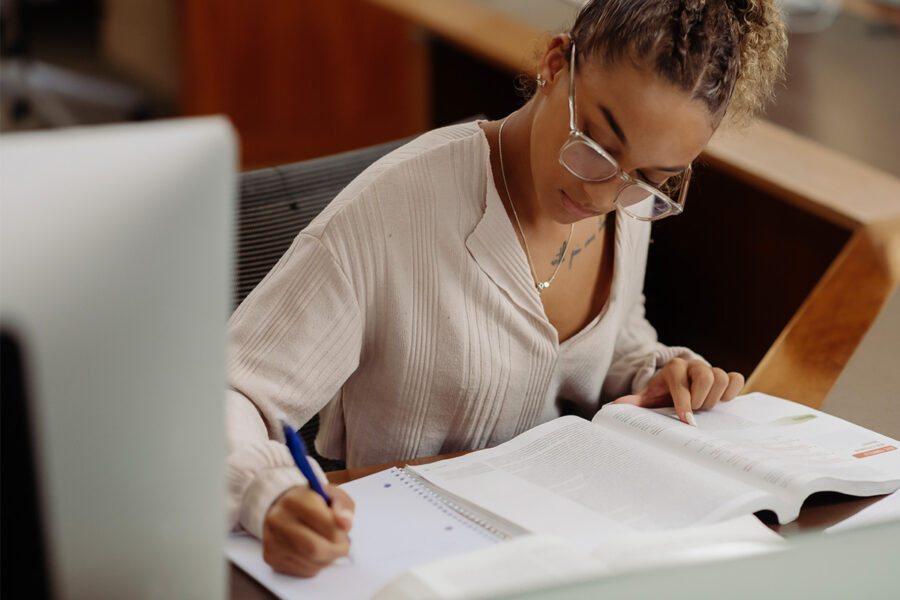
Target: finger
(630, 399)
(288, 537)
(702, 379)
(676, 379)
(720, 384)
(343, 506)
(656, 393)
(309, 508)
(735, 385)
(297, 550)
(289, 563)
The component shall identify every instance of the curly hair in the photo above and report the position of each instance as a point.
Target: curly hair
(727, 53)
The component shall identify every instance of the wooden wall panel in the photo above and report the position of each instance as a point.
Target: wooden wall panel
(301, 78)
(725, 277)
(808, 356)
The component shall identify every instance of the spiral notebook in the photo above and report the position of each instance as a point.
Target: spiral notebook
(400, 523)
(410, 542)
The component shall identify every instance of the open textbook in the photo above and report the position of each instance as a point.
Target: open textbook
(636, 469)
(604, 490)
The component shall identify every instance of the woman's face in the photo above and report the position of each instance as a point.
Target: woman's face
(653, 129)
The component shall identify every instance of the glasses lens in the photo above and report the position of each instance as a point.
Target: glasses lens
(641, 203)
(585, 162)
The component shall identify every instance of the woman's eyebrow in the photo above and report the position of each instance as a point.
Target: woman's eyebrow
(617, 129)
(613, 124)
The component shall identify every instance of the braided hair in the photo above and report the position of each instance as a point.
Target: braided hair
(727, 53)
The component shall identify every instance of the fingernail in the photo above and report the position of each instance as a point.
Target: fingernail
(346, 513)
(689, 417)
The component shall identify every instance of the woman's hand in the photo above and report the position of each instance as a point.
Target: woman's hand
(688, 385)
(301, 534)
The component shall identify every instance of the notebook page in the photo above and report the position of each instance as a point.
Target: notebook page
(394, 529)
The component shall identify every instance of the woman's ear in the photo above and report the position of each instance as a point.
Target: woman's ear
(553, 63)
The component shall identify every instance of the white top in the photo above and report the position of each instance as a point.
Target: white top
(407, 314)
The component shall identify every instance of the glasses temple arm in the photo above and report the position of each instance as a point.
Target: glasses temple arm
(572, 123)
(682, 196)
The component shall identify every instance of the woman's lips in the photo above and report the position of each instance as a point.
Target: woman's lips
(575, 209)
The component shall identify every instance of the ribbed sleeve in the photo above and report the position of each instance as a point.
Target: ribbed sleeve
(293, 343)
(258, 469)
(297, 337)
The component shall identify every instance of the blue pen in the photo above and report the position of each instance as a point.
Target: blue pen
(298, 451)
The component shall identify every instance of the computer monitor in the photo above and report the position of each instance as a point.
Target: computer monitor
(115, 289)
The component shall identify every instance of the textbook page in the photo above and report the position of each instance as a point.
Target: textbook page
(571, 478)
(810, 429)
(394, 529)
(540, 560)
(787, 448)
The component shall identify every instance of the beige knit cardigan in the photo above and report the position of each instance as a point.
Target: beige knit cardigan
(406, 313)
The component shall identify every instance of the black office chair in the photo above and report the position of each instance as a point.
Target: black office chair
(274, 205)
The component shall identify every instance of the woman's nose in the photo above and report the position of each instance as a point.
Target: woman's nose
(603, 193)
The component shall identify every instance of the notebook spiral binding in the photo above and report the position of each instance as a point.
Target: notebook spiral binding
(458, 513)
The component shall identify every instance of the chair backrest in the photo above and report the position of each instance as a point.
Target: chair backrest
(275, 204)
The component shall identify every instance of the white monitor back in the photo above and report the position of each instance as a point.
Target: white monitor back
(116, 274)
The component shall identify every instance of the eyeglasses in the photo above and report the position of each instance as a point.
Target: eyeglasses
(586, 160)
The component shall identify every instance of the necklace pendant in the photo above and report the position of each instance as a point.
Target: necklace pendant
(542, 285)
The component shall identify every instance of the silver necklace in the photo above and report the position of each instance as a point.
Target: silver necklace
(540, 285)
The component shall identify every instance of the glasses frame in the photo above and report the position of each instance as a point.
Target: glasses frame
(576, 136)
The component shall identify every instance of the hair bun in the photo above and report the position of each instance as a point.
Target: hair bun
(727, 53)
(762, 51)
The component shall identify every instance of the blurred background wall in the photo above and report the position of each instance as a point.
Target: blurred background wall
(303, 78)
(141, 38)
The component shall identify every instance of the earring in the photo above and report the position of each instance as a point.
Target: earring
(541, 82)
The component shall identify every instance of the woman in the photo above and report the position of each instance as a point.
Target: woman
(487, 277)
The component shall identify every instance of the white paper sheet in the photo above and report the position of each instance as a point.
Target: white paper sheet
(541, 560)
(394, 529)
